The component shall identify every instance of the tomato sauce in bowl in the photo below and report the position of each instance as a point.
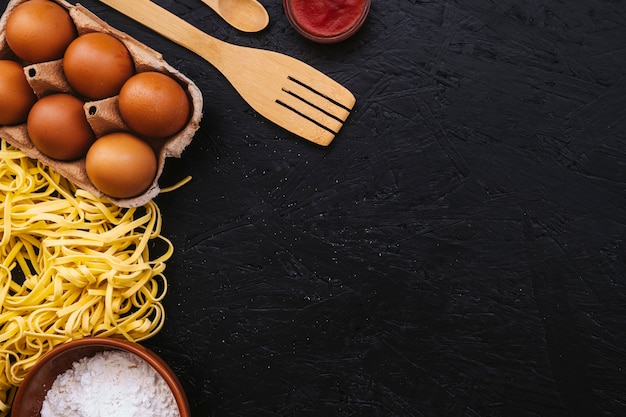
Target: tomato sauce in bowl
(326, 21)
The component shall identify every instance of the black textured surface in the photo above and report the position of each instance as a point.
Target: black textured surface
(459, 250)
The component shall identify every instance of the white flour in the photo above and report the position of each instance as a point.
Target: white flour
(110, 384)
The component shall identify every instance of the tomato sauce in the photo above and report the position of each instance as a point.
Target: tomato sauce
(327, 18)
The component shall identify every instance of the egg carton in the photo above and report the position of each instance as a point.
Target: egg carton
(103, 115)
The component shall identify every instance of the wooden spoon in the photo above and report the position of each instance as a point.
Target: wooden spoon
(243, 15)
(286, 91)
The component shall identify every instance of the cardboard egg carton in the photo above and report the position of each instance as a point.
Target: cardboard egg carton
(103, 115)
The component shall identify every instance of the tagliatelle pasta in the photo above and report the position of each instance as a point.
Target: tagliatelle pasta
(71, 265)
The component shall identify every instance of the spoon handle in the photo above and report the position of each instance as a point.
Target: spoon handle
(246, 16)
(212, 4)
(171, 27)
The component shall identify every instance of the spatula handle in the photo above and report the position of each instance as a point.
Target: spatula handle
(168, 25)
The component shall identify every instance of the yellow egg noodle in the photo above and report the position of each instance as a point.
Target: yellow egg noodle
(71, 265)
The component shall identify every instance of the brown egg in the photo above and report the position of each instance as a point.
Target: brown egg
(58, 127)
(97, 64)
(154, 105)
(121, 165)
(39, 30)
(16, 96)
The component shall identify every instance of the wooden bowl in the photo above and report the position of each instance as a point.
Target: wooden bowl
(33, 389)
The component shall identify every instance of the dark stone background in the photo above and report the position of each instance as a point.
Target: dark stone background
(459, 250)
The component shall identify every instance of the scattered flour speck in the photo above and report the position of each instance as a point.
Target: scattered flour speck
(110, 384)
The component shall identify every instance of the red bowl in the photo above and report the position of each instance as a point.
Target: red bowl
(32, 391)
(330, 26)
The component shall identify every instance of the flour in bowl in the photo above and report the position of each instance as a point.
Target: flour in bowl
(110, 384)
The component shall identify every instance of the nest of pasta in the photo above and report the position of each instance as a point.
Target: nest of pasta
(72, 265)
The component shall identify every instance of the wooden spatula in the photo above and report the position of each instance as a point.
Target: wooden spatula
(283, 89)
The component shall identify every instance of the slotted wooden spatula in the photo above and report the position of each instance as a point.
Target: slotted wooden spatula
(283, 89)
